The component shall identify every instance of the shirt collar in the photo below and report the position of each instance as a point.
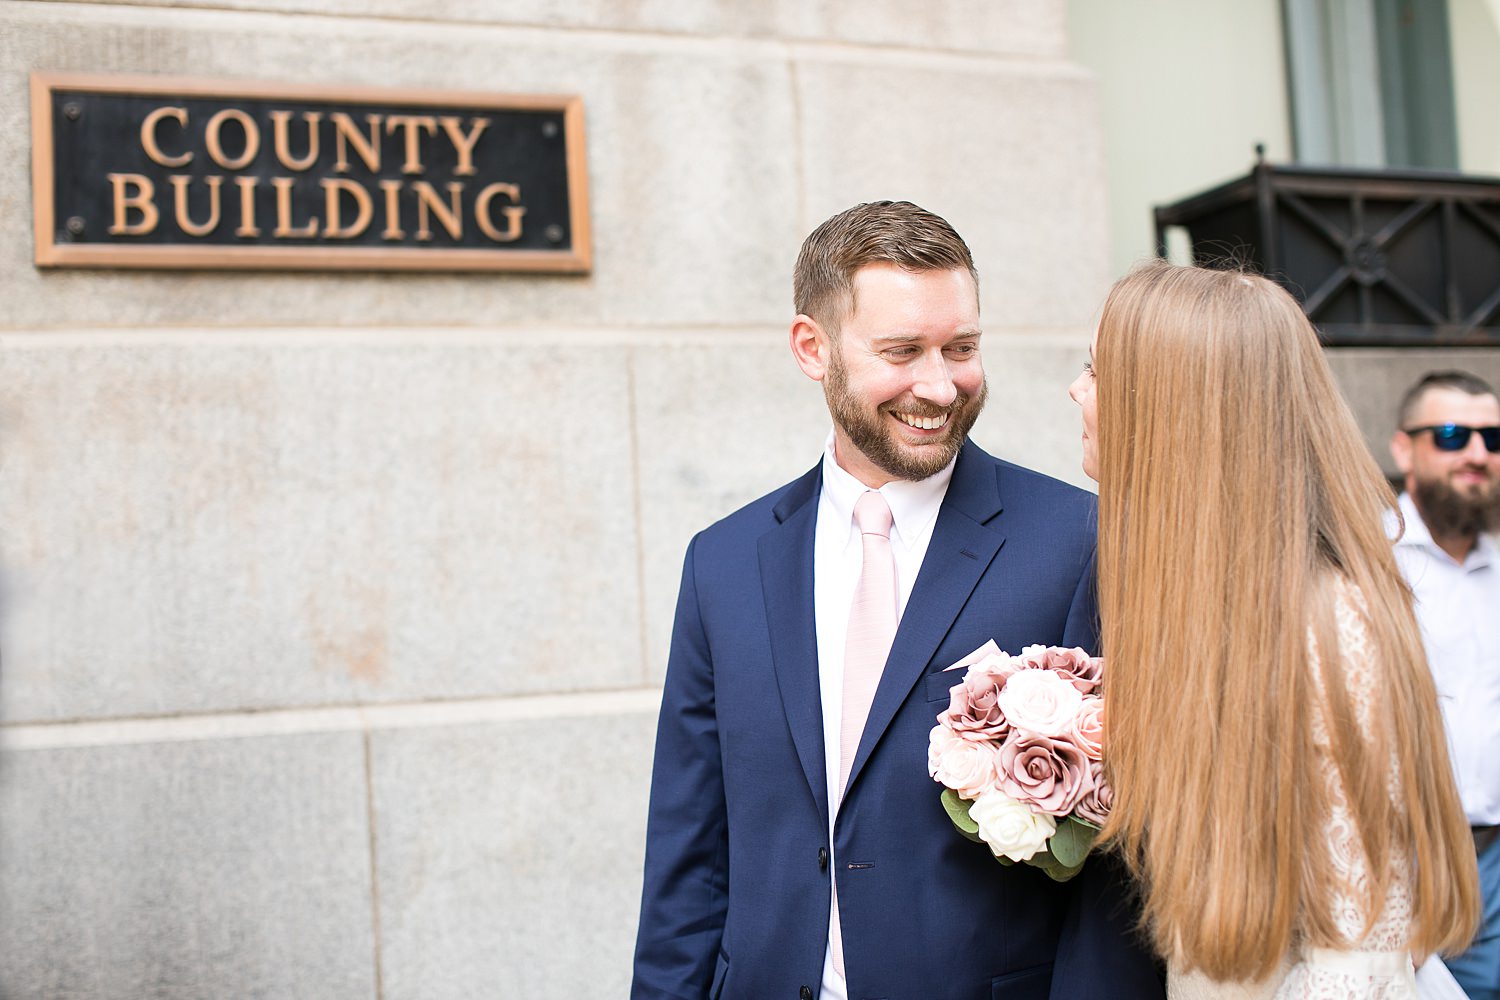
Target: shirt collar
(914, 504)
(1417, 535)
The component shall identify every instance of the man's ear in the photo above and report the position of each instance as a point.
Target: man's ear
(1401, 445)
(811, 346)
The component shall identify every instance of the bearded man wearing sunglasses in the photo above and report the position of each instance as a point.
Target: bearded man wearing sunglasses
(1448, 449)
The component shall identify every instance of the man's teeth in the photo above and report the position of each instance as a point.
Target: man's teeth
(925, 423)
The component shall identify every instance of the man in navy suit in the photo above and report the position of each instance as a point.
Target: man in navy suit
(769, 875)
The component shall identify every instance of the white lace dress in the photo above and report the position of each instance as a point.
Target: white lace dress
(1375, 966)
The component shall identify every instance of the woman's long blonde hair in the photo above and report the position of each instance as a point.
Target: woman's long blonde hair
(1235, 491)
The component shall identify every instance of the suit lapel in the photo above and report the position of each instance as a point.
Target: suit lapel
(786, 576)
(963, 545)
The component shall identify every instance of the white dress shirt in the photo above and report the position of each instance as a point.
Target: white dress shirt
(837, 555)
(1458, 608)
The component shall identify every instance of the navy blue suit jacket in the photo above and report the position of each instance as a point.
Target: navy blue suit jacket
(735, 904)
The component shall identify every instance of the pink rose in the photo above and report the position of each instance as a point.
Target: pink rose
(1051, 775)
(1040, 702)
(974, 705)
(1079, 668)
(1088, 727)
(966, 766)
(1098, 800)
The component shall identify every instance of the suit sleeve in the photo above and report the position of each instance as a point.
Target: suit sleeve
(1101, 955)
(1082, 628)
(685, 894)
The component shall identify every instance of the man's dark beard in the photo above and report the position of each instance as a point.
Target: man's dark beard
(1451, 514)
(874, 439)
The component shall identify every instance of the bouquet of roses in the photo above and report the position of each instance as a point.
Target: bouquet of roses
(1018, 754)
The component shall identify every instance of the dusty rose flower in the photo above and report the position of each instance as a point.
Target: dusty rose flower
(1040, 702)
(974, 705)
(1011, 828)
(966, 766)
(1088, 727)
(1080, 669)
(1051, 775)
(1098, 800)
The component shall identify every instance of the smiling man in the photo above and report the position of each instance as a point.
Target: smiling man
(796, 846)
(1447, 447)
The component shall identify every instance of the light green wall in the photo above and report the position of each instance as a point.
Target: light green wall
(1475, 26)
(1186, 90)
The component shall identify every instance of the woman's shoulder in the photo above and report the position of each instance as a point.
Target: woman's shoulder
(1351, 612)
(1353, 646)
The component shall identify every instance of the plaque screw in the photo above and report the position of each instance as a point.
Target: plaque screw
(75, 225)
(549, 130)
(72, 112)
(554, 233)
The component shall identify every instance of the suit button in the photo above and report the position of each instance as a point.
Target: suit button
(806, 993)
(822, 859)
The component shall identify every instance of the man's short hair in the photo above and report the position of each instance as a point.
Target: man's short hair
(895, 232)
(1464, 382)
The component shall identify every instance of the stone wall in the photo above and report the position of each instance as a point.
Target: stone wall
(333, 607)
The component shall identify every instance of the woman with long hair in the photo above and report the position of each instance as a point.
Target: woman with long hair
(1282, 789)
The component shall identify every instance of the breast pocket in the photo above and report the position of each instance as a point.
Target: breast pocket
(940, 682)
(1028, 984)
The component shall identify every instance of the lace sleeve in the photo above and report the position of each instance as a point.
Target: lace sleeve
(1373, 965)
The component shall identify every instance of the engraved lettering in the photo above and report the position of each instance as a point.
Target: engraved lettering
(180, 184)
(449, 215)
(512, 213)
(346, 134)
(393, 230)
(463, 143)
(251, 133)
(149, 140)
(142, 201)
(334, 189)
(411, 123)
(247, 226)
(284, 228)
(281, 121)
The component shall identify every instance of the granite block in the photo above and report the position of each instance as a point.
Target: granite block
(179, 871)
(507, 868)
(192, 528)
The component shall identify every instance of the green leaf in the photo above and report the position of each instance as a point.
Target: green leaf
(1054, 869)
(1071, 843)
(1061, 873)
(957, 809)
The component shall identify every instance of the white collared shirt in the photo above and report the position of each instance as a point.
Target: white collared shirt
(837, 556)
(1458, 609)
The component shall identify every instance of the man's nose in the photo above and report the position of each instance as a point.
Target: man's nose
(934, 381)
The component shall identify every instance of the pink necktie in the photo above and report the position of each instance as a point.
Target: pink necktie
(872, 627)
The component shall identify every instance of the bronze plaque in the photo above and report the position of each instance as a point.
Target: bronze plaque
(160, 172)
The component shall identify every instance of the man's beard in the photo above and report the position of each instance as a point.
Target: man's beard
(876, 439)
(1449, 513)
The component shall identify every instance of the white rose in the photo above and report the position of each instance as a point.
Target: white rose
(1010, 828)
(1040, 701)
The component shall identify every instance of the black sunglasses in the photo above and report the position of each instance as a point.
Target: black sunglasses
(1455, 437)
